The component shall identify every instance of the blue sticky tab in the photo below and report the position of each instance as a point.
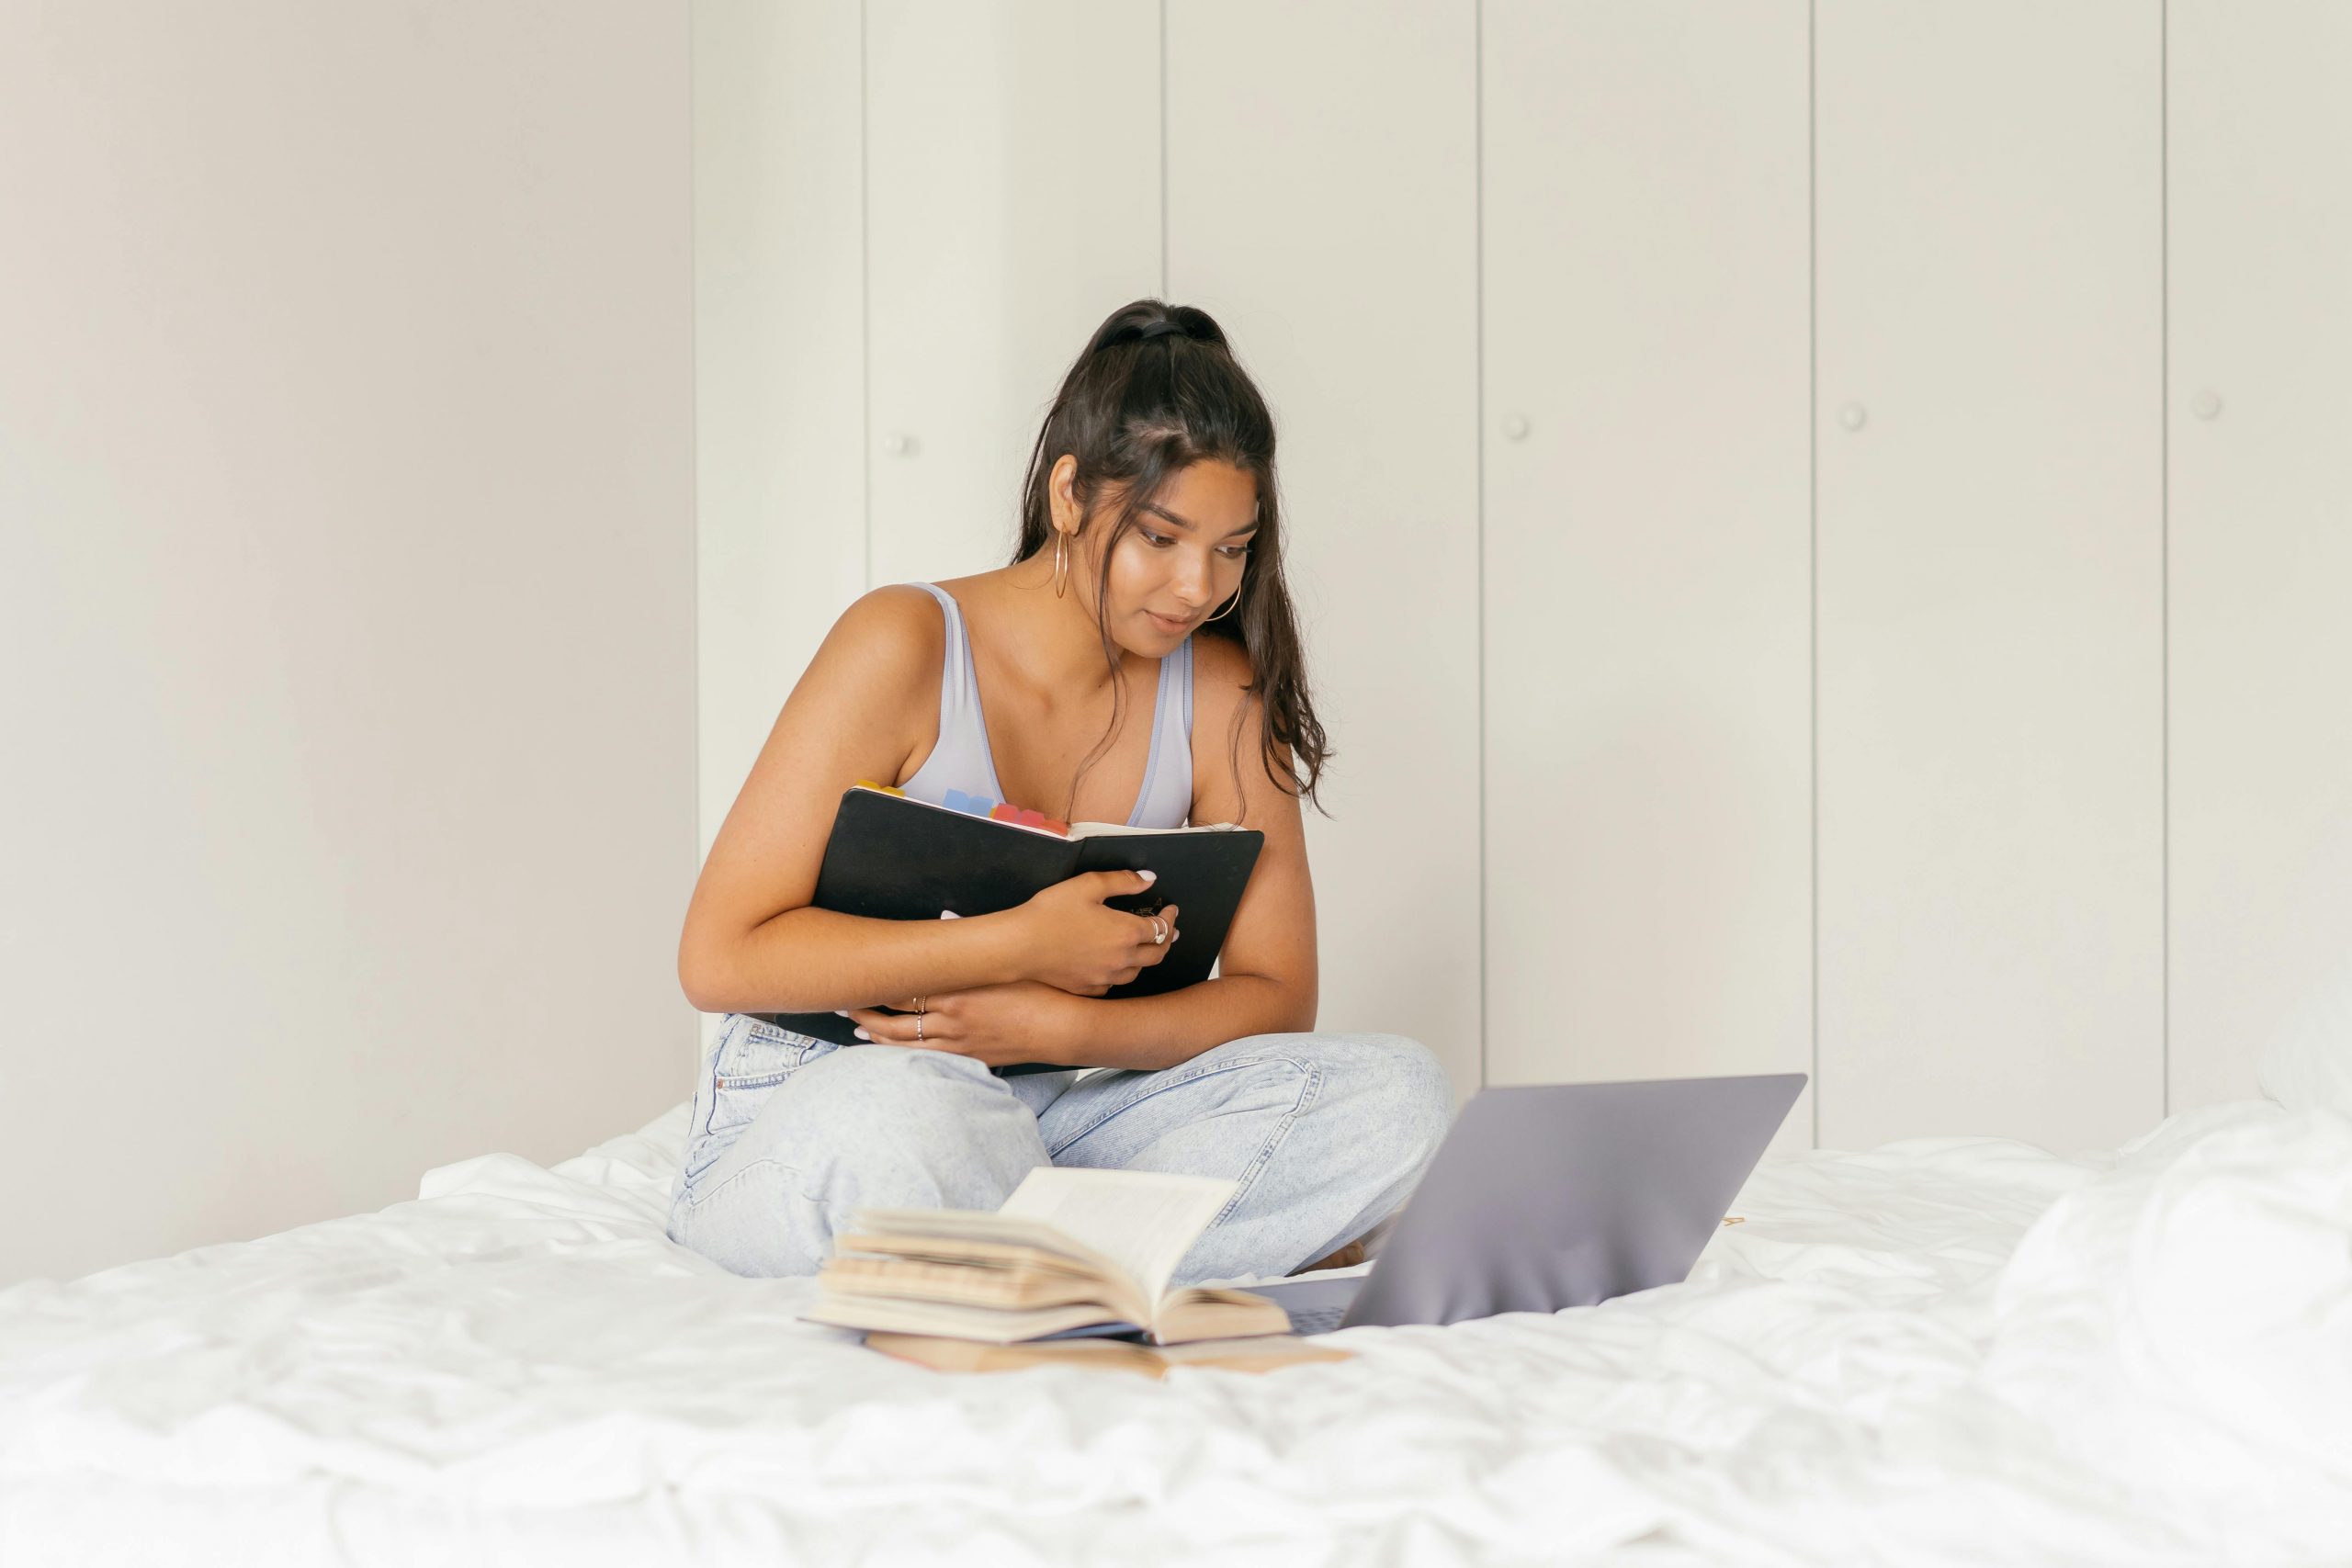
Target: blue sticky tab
(976, 805)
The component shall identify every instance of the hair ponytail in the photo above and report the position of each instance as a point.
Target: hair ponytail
(1156, 390)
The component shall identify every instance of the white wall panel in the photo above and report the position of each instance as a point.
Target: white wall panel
(1322, 205)
(779, 382)
(2260, 413)
(1648, 568)
(1990, 640)
(1012, 191)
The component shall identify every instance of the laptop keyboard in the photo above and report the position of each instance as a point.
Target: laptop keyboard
(1321, 1320)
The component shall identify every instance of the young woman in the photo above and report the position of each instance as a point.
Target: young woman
(1147, 581)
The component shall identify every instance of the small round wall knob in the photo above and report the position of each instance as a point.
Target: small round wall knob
(1515, 426)
(898, 444)
(2206, 404)
(1852, 415)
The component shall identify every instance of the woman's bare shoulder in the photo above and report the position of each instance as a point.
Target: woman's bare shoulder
(1221, 675)
(902, 606)
(1228, 716)
(1236, 766)
(872, 680)
(887, 635)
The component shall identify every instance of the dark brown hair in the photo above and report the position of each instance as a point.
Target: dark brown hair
(1155, 391)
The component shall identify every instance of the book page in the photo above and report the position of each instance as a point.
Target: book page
(1258, 1353)
(968, 1250)
(1143, 1221)
(970, 1355)
(963, 1283)
(992, 1227)
(1106, 830)
(998, 1326)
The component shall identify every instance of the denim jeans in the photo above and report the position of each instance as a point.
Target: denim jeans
(1326, 1135)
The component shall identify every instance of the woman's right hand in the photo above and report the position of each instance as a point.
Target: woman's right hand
(1079, 945)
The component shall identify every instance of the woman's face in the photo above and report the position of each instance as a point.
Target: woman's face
(1182, 561)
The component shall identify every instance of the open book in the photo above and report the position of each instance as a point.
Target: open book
(1071, 1251)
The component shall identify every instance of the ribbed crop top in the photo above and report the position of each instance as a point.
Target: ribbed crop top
(961, 762)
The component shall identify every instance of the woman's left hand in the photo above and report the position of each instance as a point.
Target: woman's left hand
(1021, 1021)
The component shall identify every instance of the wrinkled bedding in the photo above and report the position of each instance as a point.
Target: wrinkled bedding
(1942, 1350)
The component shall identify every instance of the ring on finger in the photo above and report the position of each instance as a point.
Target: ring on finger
(1159, 931)
(918, 1026)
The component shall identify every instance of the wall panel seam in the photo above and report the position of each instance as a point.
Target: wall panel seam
(1813, 540)
(694, 419)
(865, 291)
(1163, 150)
(1478, 296)
(2163, 537)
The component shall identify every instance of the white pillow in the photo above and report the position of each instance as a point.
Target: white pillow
(2307, 1064)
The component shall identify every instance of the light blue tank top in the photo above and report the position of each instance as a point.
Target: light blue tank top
(961, 765)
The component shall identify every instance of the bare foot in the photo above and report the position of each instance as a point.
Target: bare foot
(1347, 1256)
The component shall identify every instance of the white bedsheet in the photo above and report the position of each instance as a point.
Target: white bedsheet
(1946, 1351)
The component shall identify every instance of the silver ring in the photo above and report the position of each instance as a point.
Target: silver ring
(1159, 931)
(918, 1026)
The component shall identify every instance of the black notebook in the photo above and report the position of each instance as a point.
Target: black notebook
(893, 857)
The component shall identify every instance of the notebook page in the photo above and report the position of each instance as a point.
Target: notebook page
(1145, 1221)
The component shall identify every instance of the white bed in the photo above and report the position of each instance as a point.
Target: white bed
(1960, 1350)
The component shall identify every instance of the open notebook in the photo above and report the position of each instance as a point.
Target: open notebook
(892, 857)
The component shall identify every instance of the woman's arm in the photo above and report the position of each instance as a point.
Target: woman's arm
(751, 942)
(811, 960)
(1266, 971)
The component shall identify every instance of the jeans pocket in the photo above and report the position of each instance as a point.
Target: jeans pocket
(751, 1059)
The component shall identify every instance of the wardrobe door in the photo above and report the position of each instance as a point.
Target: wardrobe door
(780, 475)
(1012, 202)
(2259, 413)
(1646, 570)
(1322, 205)
(1988, 183)
(779, 388)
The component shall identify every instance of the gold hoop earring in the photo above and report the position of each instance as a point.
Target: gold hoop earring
(1228, 609)
(1061, 564)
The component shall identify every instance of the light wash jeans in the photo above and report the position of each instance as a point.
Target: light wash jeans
(1326, 1133)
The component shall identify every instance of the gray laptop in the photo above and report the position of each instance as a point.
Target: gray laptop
(1557, 1195)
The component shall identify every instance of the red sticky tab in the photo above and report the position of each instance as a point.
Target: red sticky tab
(1024, 816)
